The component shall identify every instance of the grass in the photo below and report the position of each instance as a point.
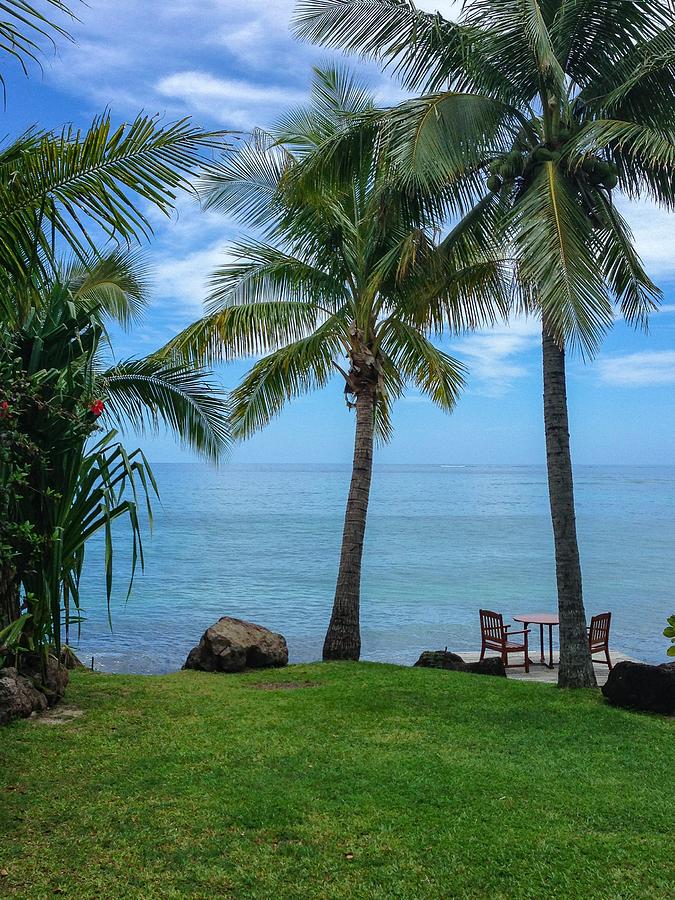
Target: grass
(378, 782)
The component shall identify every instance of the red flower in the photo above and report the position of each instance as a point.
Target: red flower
(97, 408)
(4, 409)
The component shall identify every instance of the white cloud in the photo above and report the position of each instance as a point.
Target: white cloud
(654, 233)
(496, 357)
(229, 101)
(651, 368)
(185, 279)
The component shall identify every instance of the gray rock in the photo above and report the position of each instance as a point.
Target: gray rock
(232, 645)
(18, 696)
(442, 659)
(639, 686)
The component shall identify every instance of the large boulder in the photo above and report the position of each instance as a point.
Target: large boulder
(18, 696)
(27, 685)
(51, 678)
(442, 659)
(634, 685)
(232, 645)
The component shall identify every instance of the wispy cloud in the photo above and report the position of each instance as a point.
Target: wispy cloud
(499, 356)
(651, 368)
(654, 232)
(228, 101)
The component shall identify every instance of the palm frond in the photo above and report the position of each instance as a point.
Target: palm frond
(337, 98)
(24, 29)
(245, 184)
(517, 58)
(423, 50)
(148, 392)
(267, 272)
(633, 289)
(295, 369)
(644, 156)
(62, 184)
(557, 254)
(473, 285)
(117, 284)
(439, 376)
(246, 329)
(448, 139)
(604, 44)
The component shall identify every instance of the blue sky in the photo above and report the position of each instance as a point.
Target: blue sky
(233, 64)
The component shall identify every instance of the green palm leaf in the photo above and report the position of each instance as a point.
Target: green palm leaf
(24, 28)
(58, 185)
(557, 253)
(147, 393)
(437, 375)
(422, 49)
(295, 369)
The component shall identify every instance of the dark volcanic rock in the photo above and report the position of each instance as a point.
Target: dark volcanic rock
(232, 645)
(18, 696)
(52, 682)
(26, 687)
(491, 665)
(442, 659)
(639, 686)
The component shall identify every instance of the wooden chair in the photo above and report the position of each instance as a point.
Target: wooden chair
(496, 636)
(598, 637)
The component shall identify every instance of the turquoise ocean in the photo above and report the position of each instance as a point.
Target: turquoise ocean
(262, 543)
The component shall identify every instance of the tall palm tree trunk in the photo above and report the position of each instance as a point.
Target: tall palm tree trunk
(343, 638)
(576, 667)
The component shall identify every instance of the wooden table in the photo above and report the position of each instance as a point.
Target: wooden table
(541, 619)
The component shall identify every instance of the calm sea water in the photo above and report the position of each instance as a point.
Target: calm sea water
(262, 543)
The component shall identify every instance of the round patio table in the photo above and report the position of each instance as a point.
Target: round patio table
(541, 619)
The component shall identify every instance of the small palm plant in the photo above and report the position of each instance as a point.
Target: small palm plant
(346, 282)
(63, 478)
(536, 112)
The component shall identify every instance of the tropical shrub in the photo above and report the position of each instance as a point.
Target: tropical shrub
(65, 477)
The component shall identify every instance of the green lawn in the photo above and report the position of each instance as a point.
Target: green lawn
(379, 782)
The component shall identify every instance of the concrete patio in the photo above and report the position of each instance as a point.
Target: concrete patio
(549, 676)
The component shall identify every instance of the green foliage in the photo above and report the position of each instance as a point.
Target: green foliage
(669, 632)
(63, 488)
(60, 185)
(562, 102)
(63, 477)
(66, 478)
(20, 458)
(25, 28)
(350, 277)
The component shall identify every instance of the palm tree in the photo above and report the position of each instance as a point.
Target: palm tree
(348, 280)
(536, 111)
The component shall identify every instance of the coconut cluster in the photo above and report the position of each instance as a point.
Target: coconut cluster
(506, 169)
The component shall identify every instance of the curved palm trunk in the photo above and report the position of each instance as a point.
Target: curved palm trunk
(343, 638)
(576, 667)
